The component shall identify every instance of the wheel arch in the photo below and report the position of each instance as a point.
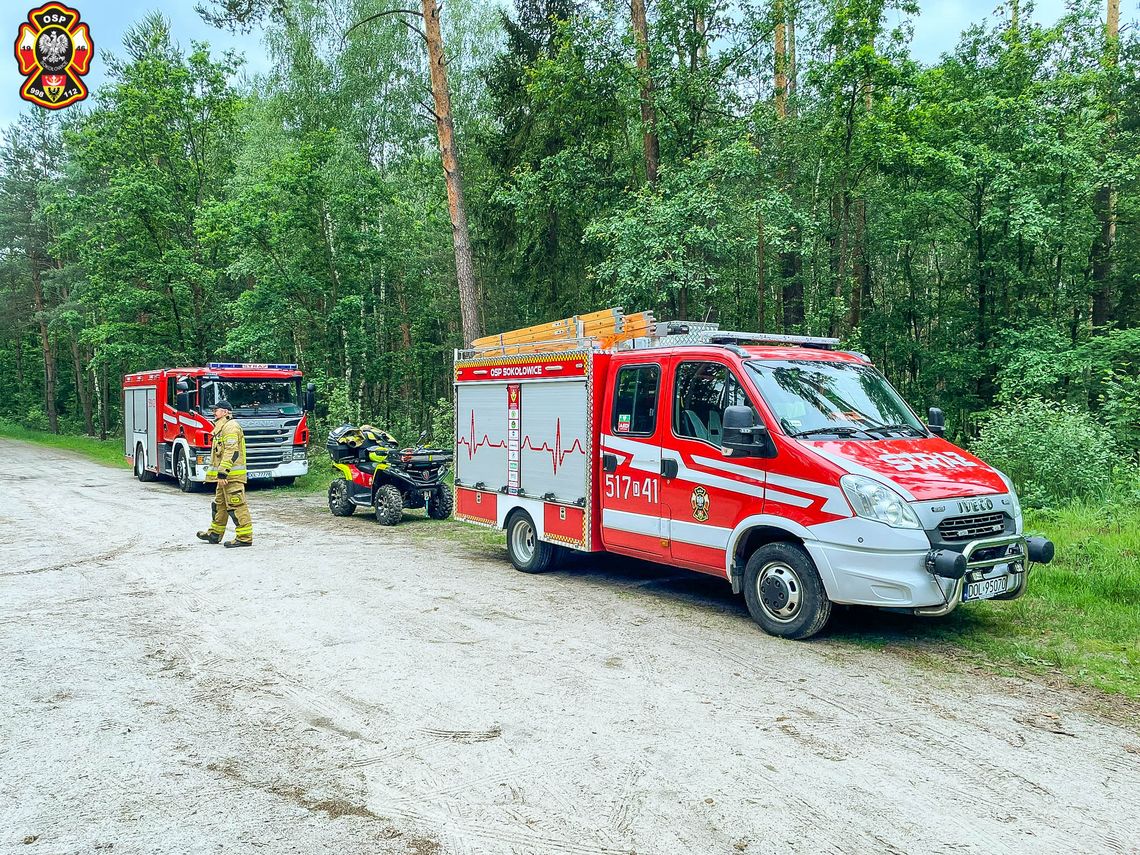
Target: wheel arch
(756, 531)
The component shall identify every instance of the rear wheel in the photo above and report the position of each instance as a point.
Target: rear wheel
(440, 503)
(784, 592)
(340, 502)
(526, 551)
(141, 471)
(389, 505)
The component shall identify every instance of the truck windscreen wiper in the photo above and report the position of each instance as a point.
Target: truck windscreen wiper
(838, 430)
(894, 429)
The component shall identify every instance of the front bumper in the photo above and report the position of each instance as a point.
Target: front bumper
(898, 578)
(282, 470)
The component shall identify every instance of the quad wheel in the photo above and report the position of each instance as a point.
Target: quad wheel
(340, 503)
(389, 504)
(440, 504)
(784, 593)
(526, 551)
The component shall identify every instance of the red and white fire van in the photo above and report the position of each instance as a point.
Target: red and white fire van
(168, 416)
(788, 467)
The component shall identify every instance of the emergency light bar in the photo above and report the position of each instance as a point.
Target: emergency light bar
(280, 366)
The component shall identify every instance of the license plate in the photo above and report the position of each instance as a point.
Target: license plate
(985, 589)
(260, 475)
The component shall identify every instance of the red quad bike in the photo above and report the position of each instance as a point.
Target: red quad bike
(376, 473)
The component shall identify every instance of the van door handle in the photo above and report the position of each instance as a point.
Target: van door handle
(609, 462)
(669, 467)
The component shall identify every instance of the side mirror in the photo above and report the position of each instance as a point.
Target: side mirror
(936, 421)
(183, 396)
(741, 436)
(310, 397)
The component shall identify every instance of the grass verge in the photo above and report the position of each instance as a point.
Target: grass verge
(1079, 620)
(106, 451)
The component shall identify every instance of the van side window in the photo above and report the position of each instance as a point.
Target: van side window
(701, 393)
(635, 400)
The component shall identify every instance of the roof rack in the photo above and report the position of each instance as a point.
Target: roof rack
(612, 329)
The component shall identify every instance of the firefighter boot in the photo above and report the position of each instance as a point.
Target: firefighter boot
(209, 537)
(233, 544)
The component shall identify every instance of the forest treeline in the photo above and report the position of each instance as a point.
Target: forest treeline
(784, 165)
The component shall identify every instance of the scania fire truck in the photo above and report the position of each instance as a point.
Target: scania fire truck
(168, 415)
(783, 464)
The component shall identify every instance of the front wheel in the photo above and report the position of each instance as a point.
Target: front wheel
(440, 503)
(784, 593)
(182, 473)
(340, 502)
(526, 551)
(287, 481)
(389, 505)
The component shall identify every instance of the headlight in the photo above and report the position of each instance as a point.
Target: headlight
(287, 455)
(874, 501)
(299, 453)
(1015, 503)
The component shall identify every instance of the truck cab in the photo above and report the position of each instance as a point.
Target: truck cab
(782, 464)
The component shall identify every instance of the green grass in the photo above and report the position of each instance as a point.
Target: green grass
(108, 452)
(1079, 620)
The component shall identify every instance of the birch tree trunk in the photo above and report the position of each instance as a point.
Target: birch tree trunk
(1105, 201)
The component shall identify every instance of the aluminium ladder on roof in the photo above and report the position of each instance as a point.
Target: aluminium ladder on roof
(596, 330)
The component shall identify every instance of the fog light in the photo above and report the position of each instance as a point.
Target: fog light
(946, 563)
(287, 455)
(1041, 550)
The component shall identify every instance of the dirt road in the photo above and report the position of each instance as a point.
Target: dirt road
(350, 689)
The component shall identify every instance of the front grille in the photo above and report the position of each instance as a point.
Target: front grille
(262, 459)
(971, 528)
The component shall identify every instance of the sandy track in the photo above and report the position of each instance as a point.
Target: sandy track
(350, 689)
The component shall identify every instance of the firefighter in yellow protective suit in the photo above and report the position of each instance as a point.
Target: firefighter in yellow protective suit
(227, 469)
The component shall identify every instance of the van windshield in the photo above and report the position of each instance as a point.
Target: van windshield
(812, 398)
(249, 397)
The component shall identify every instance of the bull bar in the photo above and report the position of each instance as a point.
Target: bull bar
(1020, 555)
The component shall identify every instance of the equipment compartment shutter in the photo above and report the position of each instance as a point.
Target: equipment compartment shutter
(555, 440)
(481, 435)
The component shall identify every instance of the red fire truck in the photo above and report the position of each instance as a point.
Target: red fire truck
(168, 415)
(788, 467)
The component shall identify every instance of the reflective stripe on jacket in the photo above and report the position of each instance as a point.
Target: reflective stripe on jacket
(227, 455)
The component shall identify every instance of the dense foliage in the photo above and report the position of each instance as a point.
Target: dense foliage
(807, 175)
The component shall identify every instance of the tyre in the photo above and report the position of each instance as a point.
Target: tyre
(140, 466)
(440, 503)
(340, 503)
(182, 473)
(389, 504)
(526, 551)
(784, 592)
(287, 481)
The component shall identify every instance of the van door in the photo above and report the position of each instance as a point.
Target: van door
(630, 476)
(704, 494)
